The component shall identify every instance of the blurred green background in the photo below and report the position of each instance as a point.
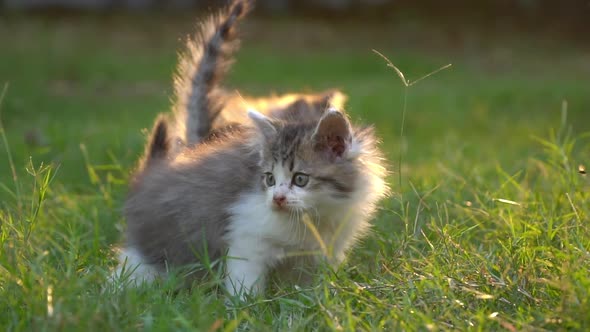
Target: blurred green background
(98, 78)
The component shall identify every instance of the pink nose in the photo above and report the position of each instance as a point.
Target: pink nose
(279, 200)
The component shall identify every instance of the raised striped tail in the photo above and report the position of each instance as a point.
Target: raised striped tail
(208, 56)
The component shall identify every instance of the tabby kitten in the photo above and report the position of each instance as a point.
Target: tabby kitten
(264, 191)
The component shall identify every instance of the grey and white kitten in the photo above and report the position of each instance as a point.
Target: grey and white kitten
(290, 188)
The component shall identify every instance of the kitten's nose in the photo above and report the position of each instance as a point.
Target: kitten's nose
(279, 200)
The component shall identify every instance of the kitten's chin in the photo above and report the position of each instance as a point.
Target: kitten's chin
(283, 209)
(280, 209)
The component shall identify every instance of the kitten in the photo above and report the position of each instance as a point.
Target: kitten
(296, 185)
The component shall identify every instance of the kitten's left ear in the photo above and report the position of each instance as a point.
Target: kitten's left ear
(263, 123)
(333, 135)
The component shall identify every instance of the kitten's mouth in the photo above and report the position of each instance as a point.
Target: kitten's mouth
(283, 208)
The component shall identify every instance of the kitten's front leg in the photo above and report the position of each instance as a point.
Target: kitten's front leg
(245, 274)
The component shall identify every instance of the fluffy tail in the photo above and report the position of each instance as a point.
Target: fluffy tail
(200, 69)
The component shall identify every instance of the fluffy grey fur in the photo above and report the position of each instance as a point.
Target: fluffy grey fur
(177, 211)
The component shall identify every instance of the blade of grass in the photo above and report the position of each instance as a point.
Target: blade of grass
(407, 83)
(8, 152)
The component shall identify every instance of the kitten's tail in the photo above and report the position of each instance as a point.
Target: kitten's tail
(206, 59)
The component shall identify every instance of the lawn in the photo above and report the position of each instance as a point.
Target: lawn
(487, 229)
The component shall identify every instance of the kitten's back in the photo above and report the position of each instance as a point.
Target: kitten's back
(178, 209)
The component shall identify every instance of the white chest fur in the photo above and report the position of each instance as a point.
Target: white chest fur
(259, 238)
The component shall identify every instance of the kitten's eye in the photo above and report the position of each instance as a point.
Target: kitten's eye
(270, 179)
(300, 179)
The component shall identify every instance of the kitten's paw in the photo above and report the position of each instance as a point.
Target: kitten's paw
(242, 290)
(133, 270)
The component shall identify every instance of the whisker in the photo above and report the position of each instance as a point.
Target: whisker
(291, 222)
(298, 223)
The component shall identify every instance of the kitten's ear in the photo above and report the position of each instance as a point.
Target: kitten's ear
(265, 125)
(333, 135)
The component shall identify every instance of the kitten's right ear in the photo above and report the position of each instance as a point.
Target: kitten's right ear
(265, 125)
(333, 135)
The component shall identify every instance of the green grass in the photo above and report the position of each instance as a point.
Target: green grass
(488, 230)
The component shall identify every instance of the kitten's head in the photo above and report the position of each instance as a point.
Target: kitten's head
(307, 165)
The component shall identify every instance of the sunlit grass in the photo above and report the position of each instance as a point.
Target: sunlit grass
(487, 230)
